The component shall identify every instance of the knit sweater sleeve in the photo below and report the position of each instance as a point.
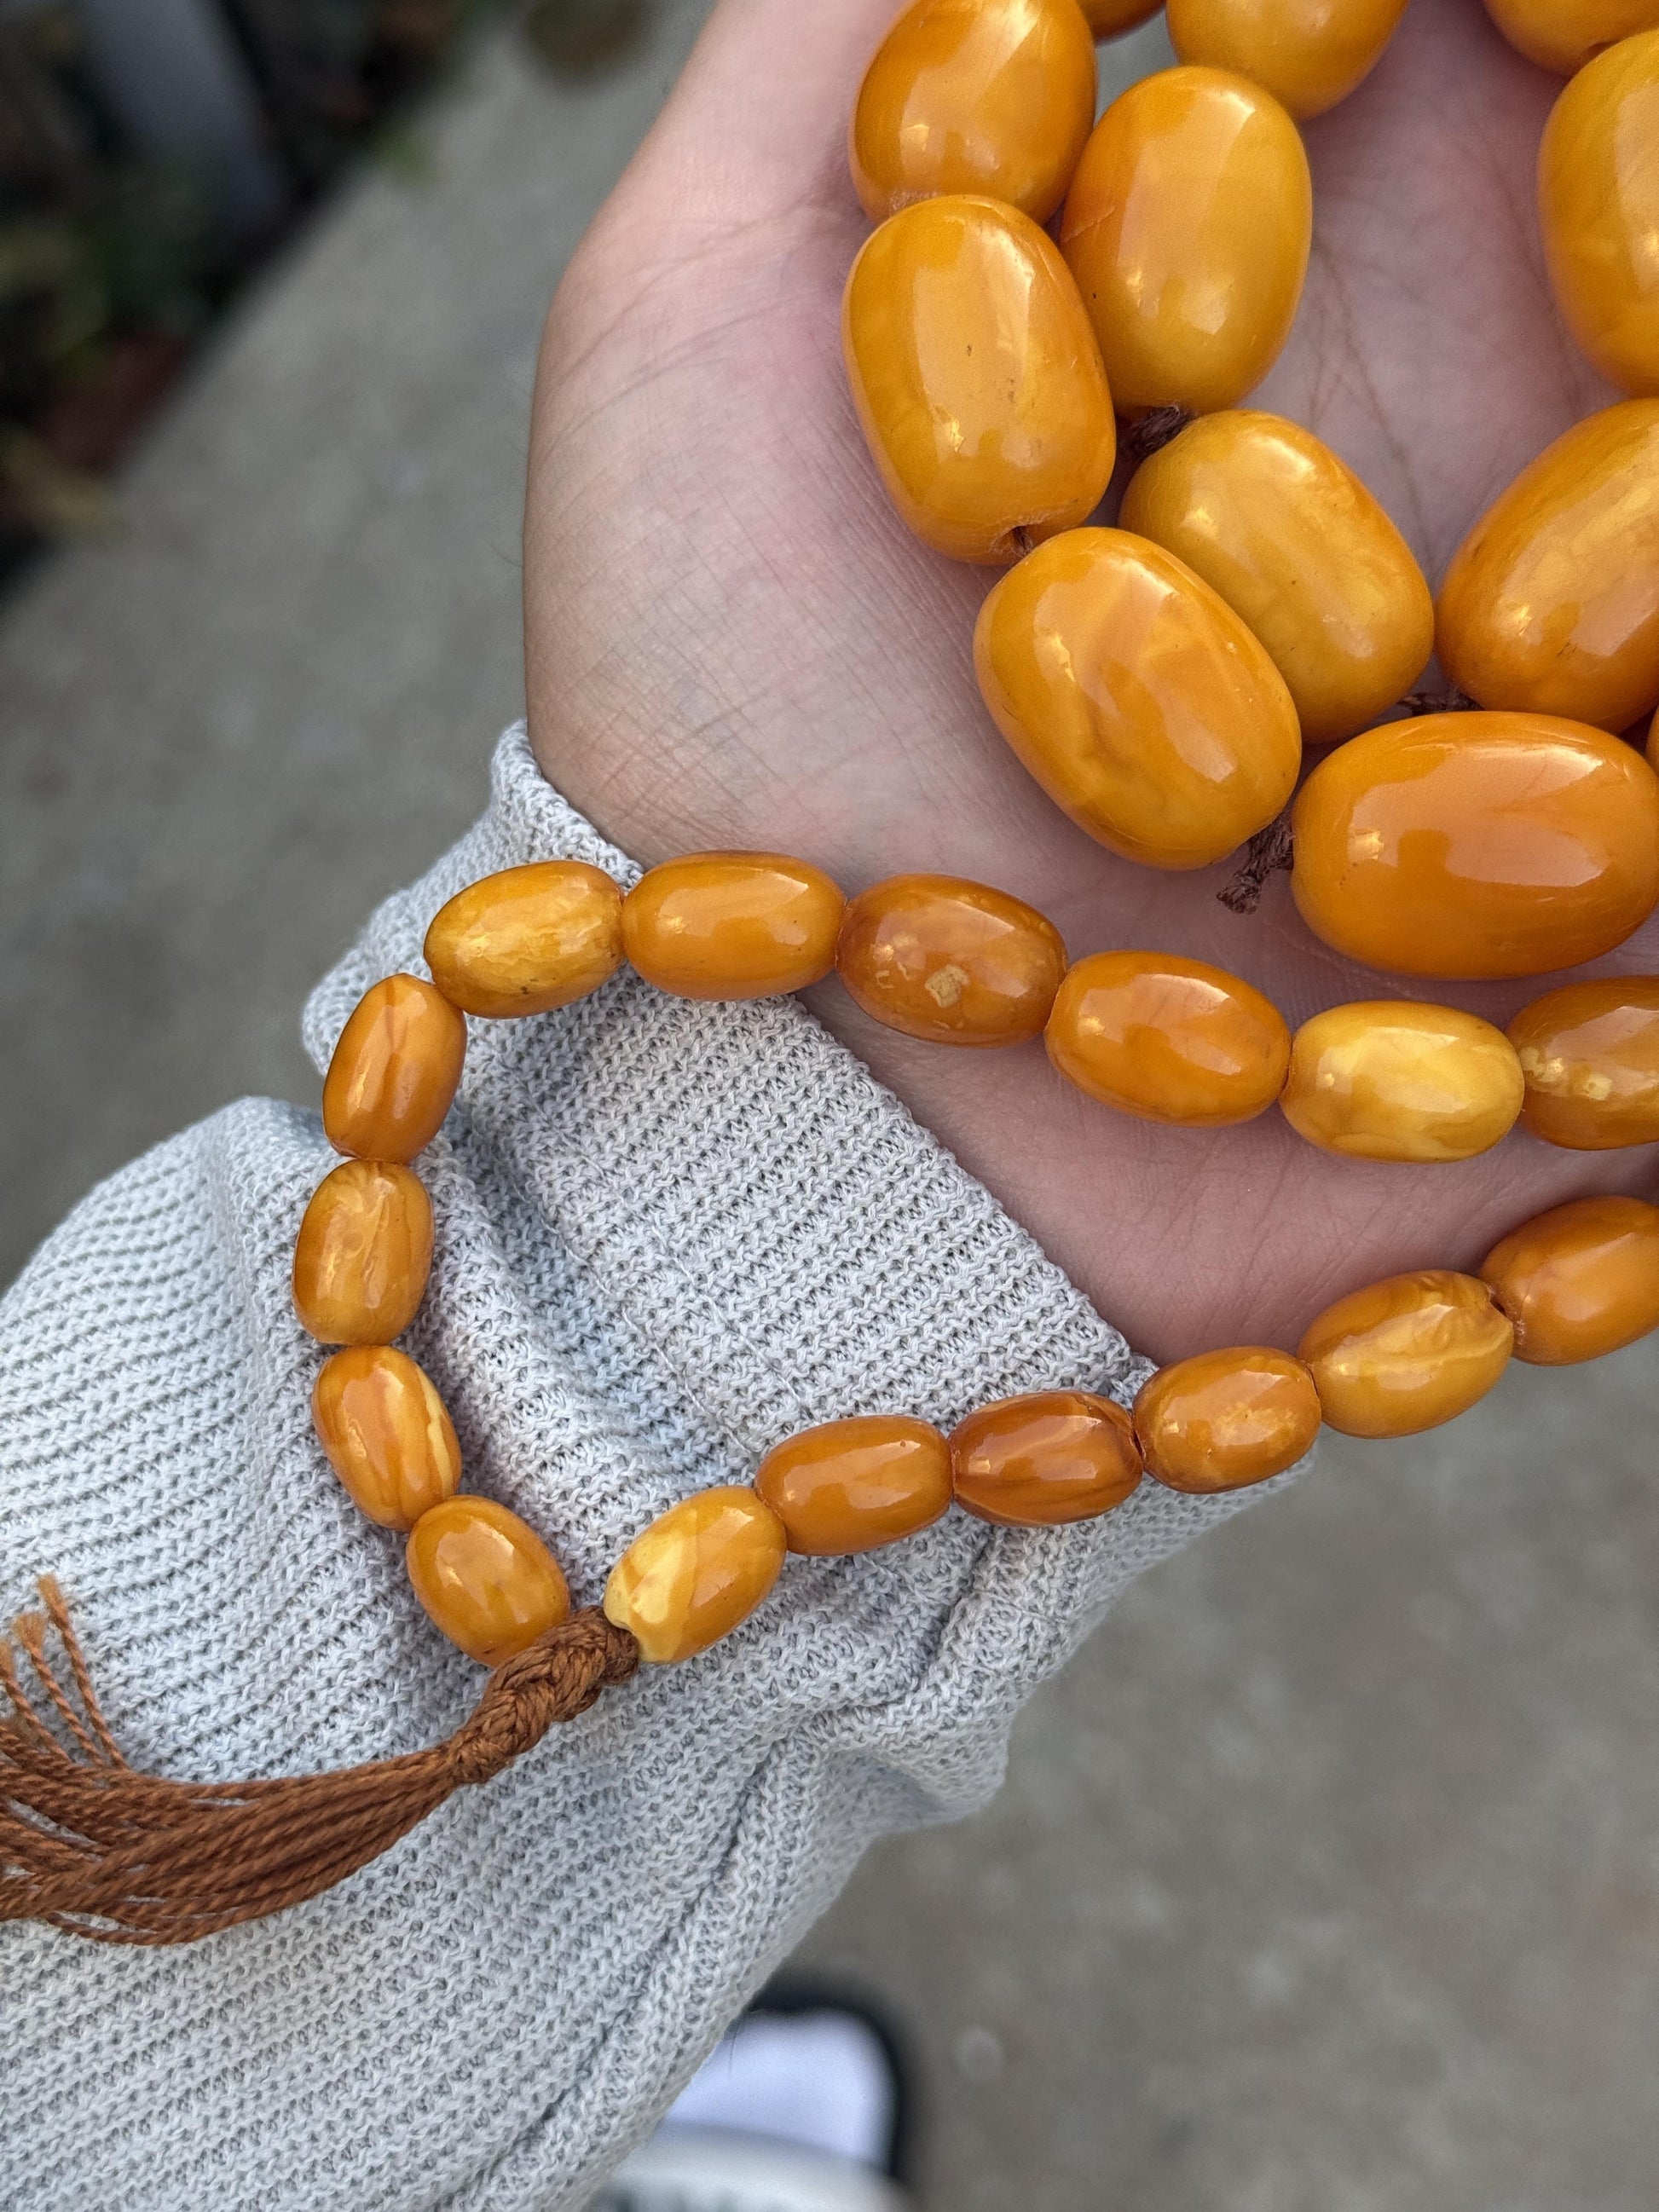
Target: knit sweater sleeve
(667, 1235)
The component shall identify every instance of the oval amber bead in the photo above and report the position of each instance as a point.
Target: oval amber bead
(1310, 54)
(1550, 605)
(1107, 18)
(487, 1581)
(1563, 35)
(394, 1072)
(696, 1572)
(1269, 517)
(1580, 1280)
(1187, 227)
(1043, 1461)
(1137, 698)
(1389, 1079)
(732, 925)
(1589, 1053)
(850, 1486)
(1598, 201)
(1408, 1354)
(1478, 846)
(1169, 1039)
(363, 1254)
(953, 962)
(387, 1433)
(1225, 1419)
(527, 939)
(989, 96)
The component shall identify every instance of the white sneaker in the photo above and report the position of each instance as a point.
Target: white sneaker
(709, 2170)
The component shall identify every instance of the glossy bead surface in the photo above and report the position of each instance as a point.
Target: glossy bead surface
(953, 962)
(851, 1485)
(1137, 698)
(487, 1581)
(1408, 1354)
(1477, 845)
(1169, 1039)
(387, 1433)
(394, 1072)
(527, 939)
(1389, 1079)
(1187, 227)
(1107, 18)
(1225, 1419)
(696, 1572)
(1270, 518)
(732, 925)
(363, 1254)
(976, 378)
(1580, 1280)
(1563, 35)
(1310, 54)
(1598, 201)
(989, 96)
(1551, 603)
(1046, 1460)
(1589, 1053)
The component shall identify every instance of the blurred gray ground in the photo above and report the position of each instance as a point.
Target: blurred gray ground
(1326, 1881)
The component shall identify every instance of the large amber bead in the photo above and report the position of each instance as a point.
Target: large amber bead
(1107, 18)
(1187, 227)
(1580, 1280)
(1046, 1460)
(1552, 603)
(363, 1254)
(527, 940)
(1406, 1354)
(1169, 1039)
(1310, 54)
(1589, 1053)
(696, 1572)
(977, 377)
(1598, 202)
(1138, 699)
(394, 1071)
(1269, 517)
(488, 1580)
(1563, 35)
(956, 963)
(732, 925)
(850, 1486)
(1225, 1419)
(387, 1433)
(1477, 845)
(1390, 1079)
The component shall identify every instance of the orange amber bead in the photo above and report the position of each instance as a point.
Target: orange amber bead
(976, 378)
(1389, 1079)
(1043, 1460)
(1589, 1053)
(363, 1254)
(732, 925)
(1137, 698)
(1226, 1420)
(489, 1581)
(386, 1432)
(1310, 54)
(1580, 1280)
(1477, 845)
(1406, 1354)
(956, 963)
(1563, 35)
(849, 1485)
(1107, 18)
(527, 940)
(1598, 200)
(696, 1572)
(394, 1072)
(1169, 1039)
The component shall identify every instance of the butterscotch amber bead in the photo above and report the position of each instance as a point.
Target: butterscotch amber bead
(850, 1486)
(953, 962)
(696, 1572)
(1169, 1039)
(527, 940)
(1389, 1079)
(1589, 1053)
(1310, 54)
(732, 925)
(1477, 845)
(1563, 35)
(1598, 201)
(387, 1433)
(1046, 1460)
(1408, 1354)
(1580, 1280)
(1107, 18)
(394, 1072)
(489, 1581)
(1225, 1419)
(363, 1254)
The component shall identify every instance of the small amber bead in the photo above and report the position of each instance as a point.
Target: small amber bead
(387, 1433)
(732, 925)
(1310, 54)
(1043, 1460)
(1580, 1280)
(1563, 35)
(953, 962)
(696, 1572)
(850, 1486)
(1225, 1419)
(394, 1072)
(363, 1254)
(1107, 18)
(1169, 1039)
(527, 940)
(1589, 1053)
(1598, 199)
(1389, 1079)
(1408, 1354)
(489, 1581)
